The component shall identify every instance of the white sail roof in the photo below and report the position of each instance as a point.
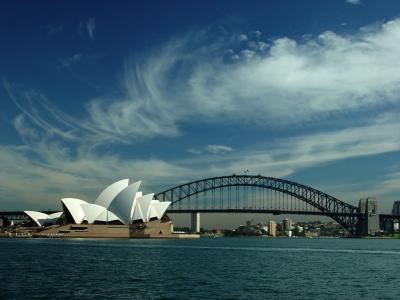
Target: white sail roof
(92, 211)
(140, 206)
(38, 217)
(107, 216)
(41, 218)
(109, 193)
(120, 201)
(153, 211)
(137, 213)
(144, 203)
(123, 203)
(161, 207)
(55, 215)
(75, 209)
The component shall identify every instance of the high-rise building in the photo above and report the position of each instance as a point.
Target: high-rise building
(287, 224)
(396, 208)
(272, 228)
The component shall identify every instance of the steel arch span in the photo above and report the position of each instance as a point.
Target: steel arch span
(258, 194)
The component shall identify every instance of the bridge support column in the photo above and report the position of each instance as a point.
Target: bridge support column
(368, 223)
(195, 221)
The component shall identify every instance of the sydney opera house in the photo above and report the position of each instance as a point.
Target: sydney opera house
(121, 210)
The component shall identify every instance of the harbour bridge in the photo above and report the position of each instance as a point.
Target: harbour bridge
(260, 194)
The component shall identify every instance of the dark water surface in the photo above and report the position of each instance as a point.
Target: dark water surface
(223, 268)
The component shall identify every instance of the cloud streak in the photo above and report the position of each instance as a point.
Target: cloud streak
(322, 78)
(280, 83)
(213, 149)
(55, 171)
(90, 27)
(354, 2)
(72, 60)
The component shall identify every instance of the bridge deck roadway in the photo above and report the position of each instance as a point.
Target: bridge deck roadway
(261, 211)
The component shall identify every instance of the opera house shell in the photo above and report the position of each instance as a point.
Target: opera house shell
(42, 219)
(121, 203)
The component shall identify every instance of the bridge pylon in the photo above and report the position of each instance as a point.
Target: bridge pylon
(195, 222)
(368, 222)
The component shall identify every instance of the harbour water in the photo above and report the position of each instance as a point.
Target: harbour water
(221, 268)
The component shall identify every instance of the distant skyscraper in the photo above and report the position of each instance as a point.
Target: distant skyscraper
(272, 228)
(396, 208)
(287, 224)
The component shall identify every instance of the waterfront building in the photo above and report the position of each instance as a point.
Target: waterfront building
(396, 208)
(121, 203)
(121, 210)
(312, 234)
(42, 219)
(287, 226)
(272, 228)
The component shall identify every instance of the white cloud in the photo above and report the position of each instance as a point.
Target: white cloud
(72, 60)
(242, 37)
(194, 151)
(355, 2)
(247, 53)
(87, 27)
(216, 149)
(255, 33)
(322, 78)
(258, 45)
(54, 171)
(288, 84)
(90, 27)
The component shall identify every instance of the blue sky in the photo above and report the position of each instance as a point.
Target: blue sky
(173, 91)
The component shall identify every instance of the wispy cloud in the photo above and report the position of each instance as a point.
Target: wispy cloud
(354, 2)
(283, 83)
(214, 149)
(91, 26)
(57, 171)
(87, 27)
(242, 37)
(194, 151)
(72, 60)
(53, 29)
(293, 81)
(326, 77)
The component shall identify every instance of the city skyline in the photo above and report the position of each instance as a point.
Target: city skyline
(91, 94)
